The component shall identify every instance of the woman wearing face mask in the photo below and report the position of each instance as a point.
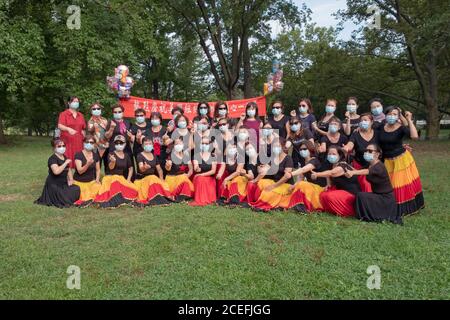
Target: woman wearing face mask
(339, 197)
(179, 170)
(376, 107)
(138, 131)
(152, 188)
(203, 111)
(97, 127)
(205, 168)
(322, 126)
(275, 181)
(268, 137)
(352, 118)
(278, 121)
(359, 141)
(297, 135)
(252, 169)
(221, 113)
(252, 122)
(200, 131)
(305, 115)
(117, 188)
(158, 134)
(234, 186)
(399, 162)
(379, 205)
(306, 193)
(333, 137)
(118, 126)
(59, 190)
(182, 132)
(177, 111)
(72, 125)
(87, 172)
(227, 139)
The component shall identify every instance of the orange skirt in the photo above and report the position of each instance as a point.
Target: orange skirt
(306, 197)
(180, 187)
(406, 182)
(277, 198)
(236, 190)
(115, 191)
(205, 191)
(153, 191)
(88, 191)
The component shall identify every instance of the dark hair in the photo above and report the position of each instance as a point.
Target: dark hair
(156, 114)
(222, 120)
(389, 109)
(118, 105)
(177, 108)
(254, 105)
(354, 99)
(207, 106)
(216, 108)
(339, 150)
(332, 100)
(140, 110)
(182, 116)
(71, 98)
(147, 139)
(55, 142)
(308, 102)
(335, 119)
(275, 102)
(375, 100)
(96, 104)
(367, 114)
(88, 137)
(311, 147)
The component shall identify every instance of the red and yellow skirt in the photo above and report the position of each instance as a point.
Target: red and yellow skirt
(406, 182)
(306, 197)
(338, 202)
(204, 191)
(181, 187)
(365, 185)
(277, 198)
(115, 191)
(88, 191)
(236, 190)
(253, 192)
(221, 190)
(153, 191)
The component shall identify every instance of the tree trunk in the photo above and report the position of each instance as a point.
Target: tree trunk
(248, 90)
(2, 134)
(155, 84)
(433, 121)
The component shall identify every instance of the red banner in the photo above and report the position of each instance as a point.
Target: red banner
(235, 107)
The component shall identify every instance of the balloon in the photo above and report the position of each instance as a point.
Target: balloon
(121, 82)
(274, 79)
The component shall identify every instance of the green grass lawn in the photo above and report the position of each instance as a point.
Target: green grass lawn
(179, 252)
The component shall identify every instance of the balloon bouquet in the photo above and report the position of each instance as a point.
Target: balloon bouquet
(121, 83)
(274, 83)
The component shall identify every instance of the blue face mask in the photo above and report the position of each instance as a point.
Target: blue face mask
(242, 136)
(333, 129)
(156, 122)
(88, 146)
(222, 112)
(223, 128)
(140, 120)
(368, 157)
(182, 125)
(276, 112)
(303, 110)
(266, 132)
(96, 113)
(295, 128)
(377, 111)
(391, 119)
(202, 127)
(333, 159)
(251, 113)
(351, 108)
(60, 151)
(75, 105)
(118, 116)
(204, 147)
(203, 111)
(277, 150)
(148, 148)
(330, 109)
(364, 125)
(304, 153)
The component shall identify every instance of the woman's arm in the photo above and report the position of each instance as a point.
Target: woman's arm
(210, 172)
(349, 147)
(160, 172)
(303, 170)
(286, 177)
(234, 174)
(70, 178)
(168, 165)
(412, 128)
(130, 173)
(362, 172)
(323, 147)
(191, 169)
(97, 172)
(336, 172)
(57, 170)
(221, 171)
(66, 129)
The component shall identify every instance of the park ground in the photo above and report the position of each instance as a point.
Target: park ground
(179, 252)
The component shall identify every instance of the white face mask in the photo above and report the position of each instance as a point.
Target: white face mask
(178, 147)
(232, 152)
(243, 136)
(120, 147)
(60, 150)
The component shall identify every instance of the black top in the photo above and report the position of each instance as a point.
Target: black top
(117, 132)
(341, 141)
(122, 165)
(137, 147)
(152, 163)
(343, 183)
(379, 179)
(158, 145)
(287, 162)
(60, 179)
(354, 124)
(323, 125)
(360, 145)
(297, 140)
(251, 167)
(319, 166)
(90, 174)
(391, 143)
(204, 165)
(279, 125)
(307, 121)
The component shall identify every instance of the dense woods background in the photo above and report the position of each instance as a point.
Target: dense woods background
(190, 50)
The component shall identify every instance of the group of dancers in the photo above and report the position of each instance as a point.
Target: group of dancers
(359, 167)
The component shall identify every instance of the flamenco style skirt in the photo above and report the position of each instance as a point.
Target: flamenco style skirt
(365, 185)
(115, 191)
(59, 195)
(374, 207)
(278, 198)
(338, 202)
(205, 191)
(153, 191)
(88, 192)
(180, 187)
(306, 197)
(406, 182)
(235, 192)
(221, 190)
(253, 192)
